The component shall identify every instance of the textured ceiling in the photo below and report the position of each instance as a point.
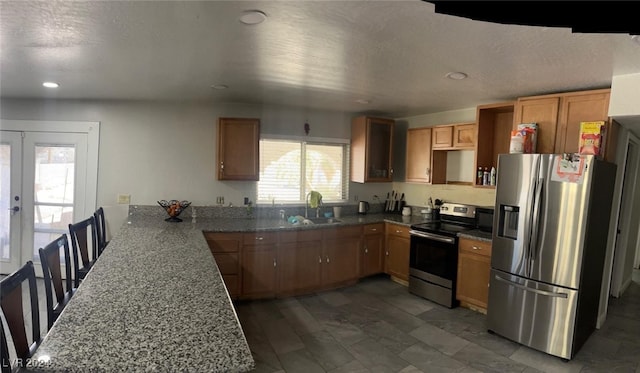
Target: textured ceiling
(312, 54)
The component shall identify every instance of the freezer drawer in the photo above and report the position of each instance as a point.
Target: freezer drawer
(534, 314)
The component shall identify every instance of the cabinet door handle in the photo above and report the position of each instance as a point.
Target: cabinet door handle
(398, 231)
(386, 253)
(319, 259)
(327, 259)
(477, 248)
(259, 238)
(366, 250)
(274, 262)
(373, 229)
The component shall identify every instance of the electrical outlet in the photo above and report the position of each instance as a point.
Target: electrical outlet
(124, 199)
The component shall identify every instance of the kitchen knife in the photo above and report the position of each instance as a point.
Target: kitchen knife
(395, 202)
(386, 202)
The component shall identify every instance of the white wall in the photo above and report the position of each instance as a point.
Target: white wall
(161, 150)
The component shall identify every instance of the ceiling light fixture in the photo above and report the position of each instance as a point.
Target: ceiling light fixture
(456, 75)
(253, 17)
(219, 86)
(50, 84)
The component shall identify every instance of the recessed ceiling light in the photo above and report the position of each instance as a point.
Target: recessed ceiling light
(636, 38)
(50, 84)
(363, 101)
(219, 86)
(253, 17)
(456, 75)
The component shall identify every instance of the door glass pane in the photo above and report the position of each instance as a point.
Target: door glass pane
(55, 218)
(5, 199)
(53, 193)
(55, 172)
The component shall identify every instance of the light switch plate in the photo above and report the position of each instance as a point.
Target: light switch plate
(124, 199)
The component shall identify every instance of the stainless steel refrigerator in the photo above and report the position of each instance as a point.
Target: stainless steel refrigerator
(551, 222)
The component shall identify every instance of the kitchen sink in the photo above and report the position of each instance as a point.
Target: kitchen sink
(321, 221)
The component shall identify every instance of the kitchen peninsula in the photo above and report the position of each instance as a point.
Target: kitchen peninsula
(154, 301)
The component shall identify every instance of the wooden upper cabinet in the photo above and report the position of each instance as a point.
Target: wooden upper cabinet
(576, 108)
(464, 135)
(544, 112)
(442, 137)
(559, 115)
(238, 149)
(494, 122)
(454, 136)
(418, 161)
(371, 149)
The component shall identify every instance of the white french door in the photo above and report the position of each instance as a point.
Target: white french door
(53, 177)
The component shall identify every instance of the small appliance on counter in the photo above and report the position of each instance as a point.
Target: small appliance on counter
(363, 207)
(484, 219)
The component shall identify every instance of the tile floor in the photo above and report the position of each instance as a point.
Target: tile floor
(377, 326)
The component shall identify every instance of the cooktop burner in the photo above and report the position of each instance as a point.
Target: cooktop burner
(454, 218)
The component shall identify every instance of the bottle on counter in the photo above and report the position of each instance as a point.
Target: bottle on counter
(492, 175)
(486, 177)
(479, 176)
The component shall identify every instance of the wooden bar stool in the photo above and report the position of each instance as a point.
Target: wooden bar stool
(11, 304)
(83, 238)
(50, 260)
(101, 230)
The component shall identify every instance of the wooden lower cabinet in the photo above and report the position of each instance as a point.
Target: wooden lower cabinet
(341, 256)
(299, 262)
(259, 265)
(372, 250)
(225, 248)
(474, 268)
(396, 261)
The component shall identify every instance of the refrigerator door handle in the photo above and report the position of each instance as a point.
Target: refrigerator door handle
(533, 242)
(536, 291)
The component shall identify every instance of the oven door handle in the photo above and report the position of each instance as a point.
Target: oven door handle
(434, 237)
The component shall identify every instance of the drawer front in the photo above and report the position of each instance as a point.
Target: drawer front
(223, 242)
(301, 236)
(259, 238)
(227, 263)
(475, 247)
(398, 230)
(374, 228)
(343, 232)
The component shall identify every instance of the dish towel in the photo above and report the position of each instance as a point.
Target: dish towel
(315, 199)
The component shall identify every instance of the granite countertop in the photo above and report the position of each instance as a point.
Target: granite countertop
(154, 301)
(476, 234)
(270, 224)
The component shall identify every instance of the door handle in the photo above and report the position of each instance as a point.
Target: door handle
(14, 209)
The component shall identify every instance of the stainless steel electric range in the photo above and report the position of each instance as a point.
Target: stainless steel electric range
(433, 261)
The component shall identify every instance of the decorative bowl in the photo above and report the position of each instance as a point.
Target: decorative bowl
(174, 208)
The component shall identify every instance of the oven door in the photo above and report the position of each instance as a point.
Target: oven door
(433, 258)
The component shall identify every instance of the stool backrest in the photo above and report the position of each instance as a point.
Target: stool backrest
(101, 229)
(83, 241)
(11, 304)
(52, 273)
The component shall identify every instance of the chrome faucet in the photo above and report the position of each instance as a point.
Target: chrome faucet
(306, 206)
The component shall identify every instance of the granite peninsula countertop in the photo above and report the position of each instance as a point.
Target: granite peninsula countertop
(153, 302)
